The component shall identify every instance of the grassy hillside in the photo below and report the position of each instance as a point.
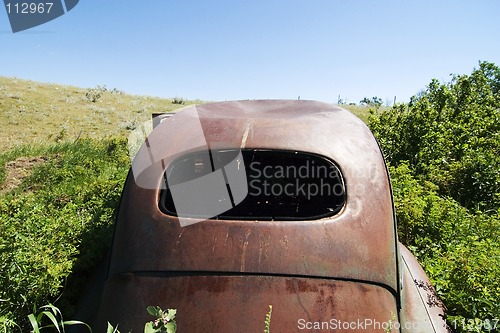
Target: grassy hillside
(33, 112)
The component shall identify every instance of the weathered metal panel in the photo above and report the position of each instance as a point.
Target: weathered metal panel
(240, 303)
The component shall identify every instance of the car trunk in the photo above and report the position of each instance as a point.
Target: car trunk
(239, 303)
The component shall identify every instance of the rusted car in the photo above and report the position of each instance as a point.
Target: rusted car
(234, 206)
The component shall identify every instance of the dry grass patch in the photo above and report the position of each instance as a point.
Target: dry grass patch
(39, 113)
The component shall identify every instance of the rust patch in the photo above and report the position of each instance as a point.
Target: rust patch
(294, 285)
(212, 285)
(218, 286)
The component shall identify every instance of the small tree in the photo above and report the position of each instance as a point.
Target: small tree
(374, 101)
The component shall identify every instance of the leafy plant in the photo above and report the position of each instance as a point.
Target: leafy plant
(8, 324)
(53, 314)
(112, 329)
(164, 322)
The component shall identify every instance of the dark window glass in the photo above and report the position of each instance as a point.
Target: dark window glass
(253, 185)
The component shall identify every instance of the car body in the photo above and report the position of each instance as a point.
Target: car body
(324, 262)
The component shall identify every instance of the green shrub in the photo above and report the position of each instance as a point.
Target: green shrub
(444, 148)
(56, 226)
(450, 135)
(179, 100)
(376, 102)
(458, 250)
(94, 94)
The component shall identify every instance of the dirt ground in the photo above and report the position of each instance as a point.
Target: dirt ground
(19, 169)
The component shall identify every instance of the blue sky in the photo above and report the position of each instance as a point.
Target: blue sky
(226, 50)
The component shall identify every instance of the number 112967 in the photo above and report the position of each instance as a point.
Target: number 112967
(29, 7)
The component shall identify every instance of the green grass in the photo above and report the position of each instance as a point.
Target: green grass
(361, 111)
(56, 225)
(37, 113)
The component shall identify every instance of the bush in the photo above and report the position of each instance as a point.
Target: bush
(374, 101)
(56, 226)
(450, 135)
(178, 100)
(94, 94)
(444, 148)
(457, 249)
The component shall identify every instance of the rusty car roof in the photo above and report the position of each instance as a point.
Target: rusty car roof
(359, 243)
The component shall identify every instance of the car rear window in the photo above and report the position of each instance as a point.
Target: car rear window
(253, 184)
